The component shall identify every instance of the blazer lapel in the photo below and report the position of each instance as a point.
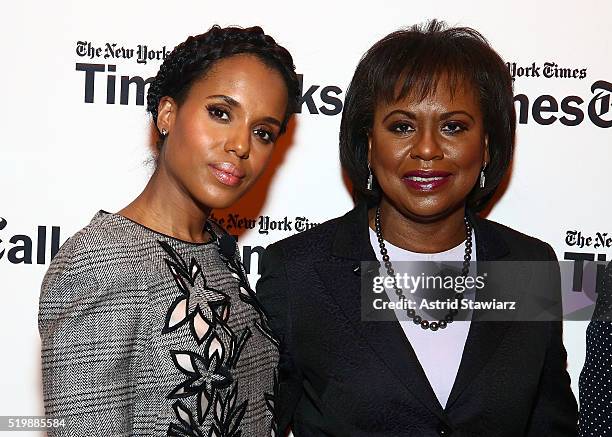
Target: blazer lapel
(483, 337)
(342, 276)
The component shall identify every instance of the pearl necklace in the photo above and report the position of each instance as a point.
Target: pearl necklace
(418, 320)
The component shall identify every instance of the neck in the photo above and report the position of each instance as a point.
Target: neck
(166, 207)
(421, 236)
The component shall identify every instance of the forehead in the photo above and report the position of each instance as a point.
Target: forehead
(442, 91)
(240, 71)
(247, 80)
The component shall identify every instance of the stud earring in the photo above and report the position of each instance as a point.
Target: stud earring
(370, 179)
(164, 132)
(482, 175)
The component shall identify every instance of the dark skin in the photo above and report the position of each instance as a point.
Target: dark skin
(443, 132)
(219, 141)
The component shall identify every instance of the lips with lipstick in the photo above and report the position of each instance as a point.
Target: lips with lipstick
(426, 180)
(227, 173)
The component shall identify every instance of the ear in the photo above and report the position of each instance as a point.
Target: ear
(166, 113)
(486, 157)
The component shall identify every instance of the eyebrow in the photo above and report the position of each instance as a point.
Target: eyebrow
(412, 115)
(236, 104)
(227, 99)
(401, 112)
(450, 114)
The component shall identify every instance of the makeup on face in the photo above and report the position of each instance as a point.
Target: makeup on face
(222, 134)
(426, 154)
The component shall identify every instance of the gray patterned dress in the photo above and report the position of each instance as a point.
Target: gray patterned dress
(146, 335)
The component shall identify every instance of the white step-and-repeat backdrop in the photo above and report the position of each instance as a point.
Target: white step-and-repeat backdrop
(74, 136)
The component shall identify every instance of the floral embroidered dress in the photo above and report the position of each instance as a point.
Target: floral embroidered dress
(146, 335)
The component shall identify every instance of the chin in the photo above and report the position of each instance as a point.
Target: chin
(426, 213)
(218, 199)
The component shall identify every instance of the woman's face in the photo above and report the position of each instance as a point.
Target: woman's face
(221, 136)
(427, 155)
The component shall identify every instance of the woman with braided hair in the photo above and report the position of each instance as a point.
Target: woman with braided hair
(147, 320)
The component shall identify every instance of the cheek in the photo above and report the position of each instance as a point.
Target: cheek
(188, 156)
(259, 158)
(388, 152)
(387, 165)
(195, 128)
(197, 143)
(467, 151)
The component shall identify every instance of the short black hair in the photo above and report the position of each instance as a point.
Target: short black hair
(412, 61)
(193, 58)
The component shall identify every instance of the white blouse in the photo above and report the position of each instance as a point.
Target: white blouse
(438, 352)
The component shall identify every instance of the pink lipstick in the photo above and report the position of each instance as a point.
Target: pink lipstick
(227, 173)
(426, 180)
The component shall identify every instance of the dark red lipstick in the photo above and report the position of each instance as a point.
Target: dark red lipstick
(426, 180)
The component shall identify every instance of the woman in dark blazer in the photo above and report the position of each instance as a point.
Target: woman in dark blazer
(426, 137)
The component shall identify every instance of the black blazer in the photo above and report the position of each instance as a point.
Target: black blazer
(340, 376)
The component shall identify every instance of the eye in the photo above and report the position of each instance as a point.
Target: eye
(218, 113)
(265, 135)
(401, 127)
(453, 127)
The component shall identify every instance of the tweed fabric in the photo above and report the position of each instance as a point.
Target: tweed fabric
(146, 335)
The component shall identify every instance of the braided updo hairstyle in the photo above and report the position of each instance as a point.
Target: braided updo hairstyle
(193, 58)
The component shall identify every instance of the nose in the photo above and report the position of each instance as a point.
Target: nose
(426, 146)
(239, 143)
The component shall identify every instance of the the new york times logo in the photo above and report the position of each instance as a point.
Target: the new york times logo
(581, 240)
(235, 223)
(26, 249)
(102, 78)
(264, 224)
(141, 53)
(569, 110)
(548, 70)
